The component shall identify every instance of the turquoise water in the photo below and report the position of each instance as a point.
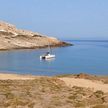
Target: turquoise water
(85, 56)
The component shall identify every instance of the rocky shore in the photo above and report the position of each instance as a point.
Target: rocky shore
(13, 38)
(64, 91)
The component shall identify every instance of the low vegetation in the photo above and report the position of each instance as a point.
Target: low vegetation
(48, 92)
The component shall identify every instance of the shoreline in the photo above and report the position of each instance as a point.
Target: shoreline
(78, 75)
(80, 80)
(61, 44)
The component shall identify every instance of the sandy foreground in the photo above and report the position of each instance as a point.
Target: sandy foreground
(16, 77)
(94, 85)
(72, 91)
(70, 82)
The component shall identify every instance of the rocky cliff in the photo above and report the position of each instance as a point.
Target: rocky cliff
(13, 38)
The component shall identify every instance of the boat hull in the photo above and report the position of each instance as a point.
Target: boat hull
(47, 57)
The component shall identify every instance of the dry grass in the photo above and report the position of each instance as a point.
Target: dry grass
(47, 92)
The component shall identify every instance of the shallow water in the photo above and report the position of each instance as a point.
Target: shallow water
(85, 56)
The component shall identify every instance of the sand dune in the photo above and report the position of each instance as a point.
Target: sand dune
(95, 85)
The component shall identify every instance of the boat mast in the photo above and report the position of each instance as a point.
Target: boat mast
(49, 47)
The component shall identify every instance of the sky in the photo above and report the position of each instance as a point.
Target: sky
(66, 19)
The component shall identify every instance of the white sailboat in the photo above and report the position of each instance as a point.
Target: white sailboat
(48, 55)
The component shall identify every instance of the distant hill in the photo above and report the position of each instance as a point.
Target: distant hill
(13, 38)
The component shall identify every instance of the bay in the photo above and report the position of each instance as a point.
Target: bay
(86, 56)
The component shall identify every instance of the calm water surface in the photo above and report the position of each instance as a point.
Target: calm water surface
(85, 56)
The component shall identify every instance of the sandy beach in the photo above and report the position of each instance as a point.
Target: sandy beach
(70, 82)
(16, 77)
(30, 91)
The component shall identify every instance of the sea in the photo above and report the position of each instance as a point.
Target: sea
(86, 56)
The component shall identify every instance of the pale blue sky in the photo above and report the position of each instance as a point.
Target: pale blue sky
(75, 19)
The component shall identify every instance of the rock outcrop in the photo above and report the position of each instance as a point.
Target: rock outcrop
(13, 38)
